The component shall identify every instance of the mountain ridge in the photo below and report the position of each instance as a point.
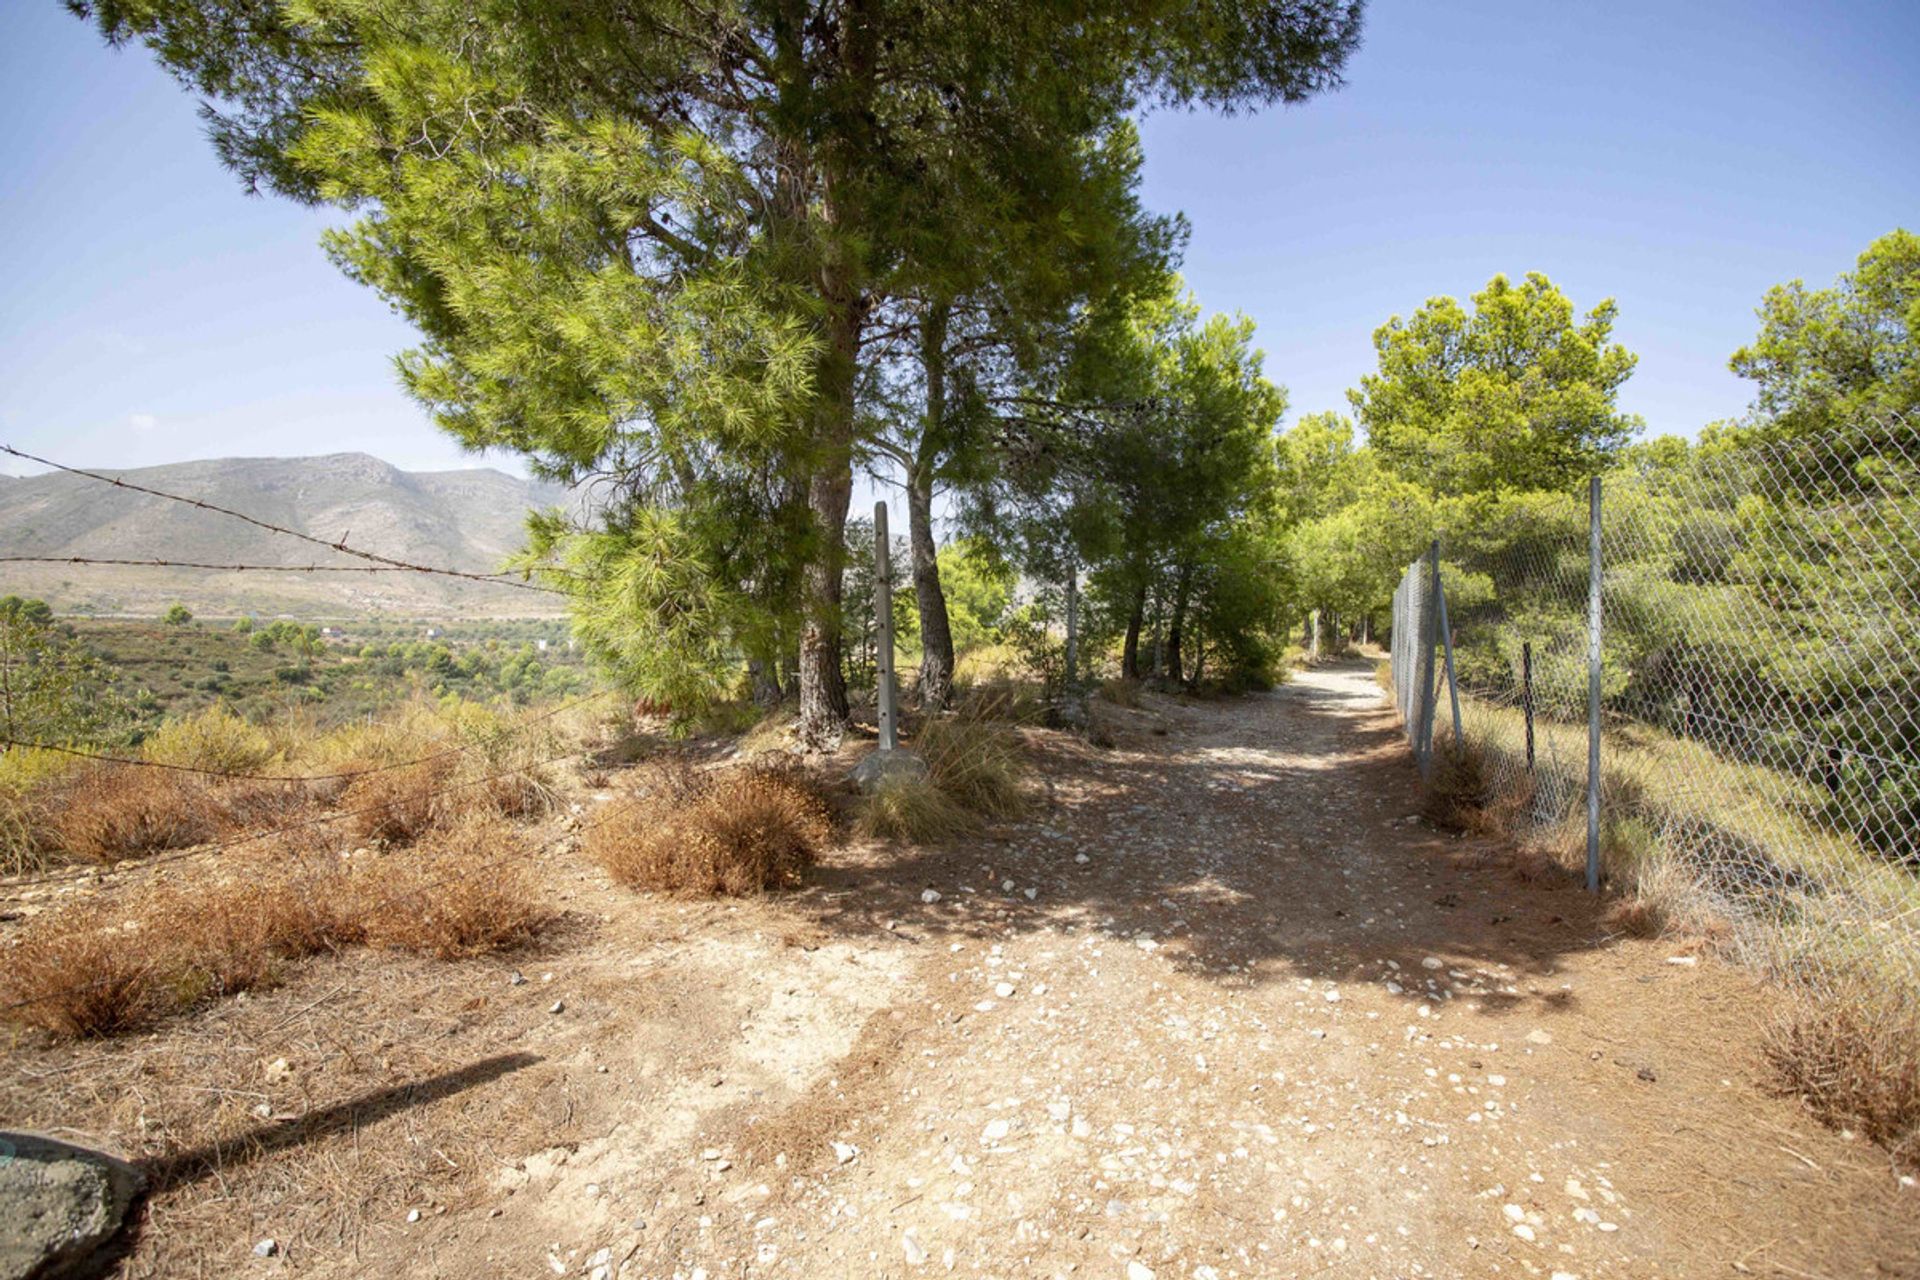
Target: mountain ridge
(468, 519)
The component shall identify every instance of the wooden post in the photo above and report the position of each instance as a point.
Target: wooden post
(883, 630)
(1526, 694)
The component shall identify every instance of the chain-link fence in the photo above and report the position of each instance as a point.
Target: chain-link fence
(1760, 690)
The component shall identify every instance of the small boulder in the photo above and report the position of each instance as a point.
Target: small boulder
(62, 1207)
(881, 767)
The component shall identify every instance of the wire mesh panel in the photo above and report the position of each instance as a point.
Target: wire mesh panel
(1760, 690)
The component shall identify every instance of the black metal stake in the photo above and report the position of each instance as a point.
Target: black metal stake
(1526, 694)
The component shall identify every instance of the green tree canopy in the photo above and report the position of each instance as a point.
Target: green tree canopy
(1514, 394)
(653, 243)
(1833, 361)
(52, 688)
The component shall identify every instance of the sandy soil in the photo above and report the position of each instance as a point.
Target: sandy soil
(1219, 1008)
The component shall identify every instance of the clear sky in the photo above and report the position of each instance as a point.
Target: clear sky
(1679, 157)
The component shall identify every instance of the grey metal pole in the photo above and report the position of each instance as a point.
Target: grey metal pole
(1429, 621)
(883, 625)
(1453, 684)
(1593, 685)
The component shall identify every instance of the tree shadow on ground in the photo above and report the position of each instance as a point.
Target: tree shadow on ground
(1263, 840)
(226, 1154)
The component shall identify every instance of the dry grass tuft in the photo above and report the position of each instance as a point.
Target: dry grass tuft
(1002, 698)
(1458, 794)
(76, 973)
(1121, 692)
(257, 806)
(1638, 916)
(85, 971)
(90, 972)
(526, 794)
(974, 772)
(108, 812)
(730, 832)
(1855, 1058)
(912, 809)
(397, 806)
(976, 760)
(470, 892)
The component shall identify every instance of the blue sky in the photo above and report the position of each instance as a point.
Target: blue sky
(1677, 157)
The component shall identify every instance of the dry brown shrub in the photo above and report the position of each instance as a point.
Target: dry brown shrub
(1638, 916)
(109, 812)
(468, 892)
(516, 795)
(88, 971)
(1121, 692)
(77, 973)
(1854, 1056)
(1532, 866)
(396, 805)
(244, 806)
(732, 831)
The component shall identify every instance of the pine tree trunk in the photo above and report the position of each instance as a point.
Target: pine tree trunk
(936, 629)
(1177, 624)
(936, 632)
(1130, 651)
(824, 713)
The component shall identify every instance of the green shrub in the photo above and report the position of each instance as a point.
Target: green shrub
(214, 739)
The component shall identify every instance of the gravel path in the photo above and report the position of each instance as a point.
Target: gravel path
(1222, 1009)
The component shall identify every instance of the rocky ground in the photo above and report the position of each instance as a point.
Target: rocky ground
(1219, 1008)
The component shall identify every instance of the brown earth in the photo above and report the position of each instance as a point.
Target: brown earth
(1219, 1008)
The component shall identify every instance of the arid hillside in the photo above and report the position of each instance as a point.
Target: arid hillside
(469, 520)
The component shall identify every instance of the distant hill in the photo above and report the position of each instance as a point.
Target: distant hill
(470, 520)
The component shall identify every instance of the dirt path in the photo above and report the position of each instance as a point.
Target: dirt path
(1218, 1009)
(1222, 1011)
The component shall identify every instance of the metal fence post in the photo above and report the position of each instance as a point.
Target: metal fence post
(1593, 685)
(883, 626)
(1526, 694)
(1429, 621)
(1446, 635)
